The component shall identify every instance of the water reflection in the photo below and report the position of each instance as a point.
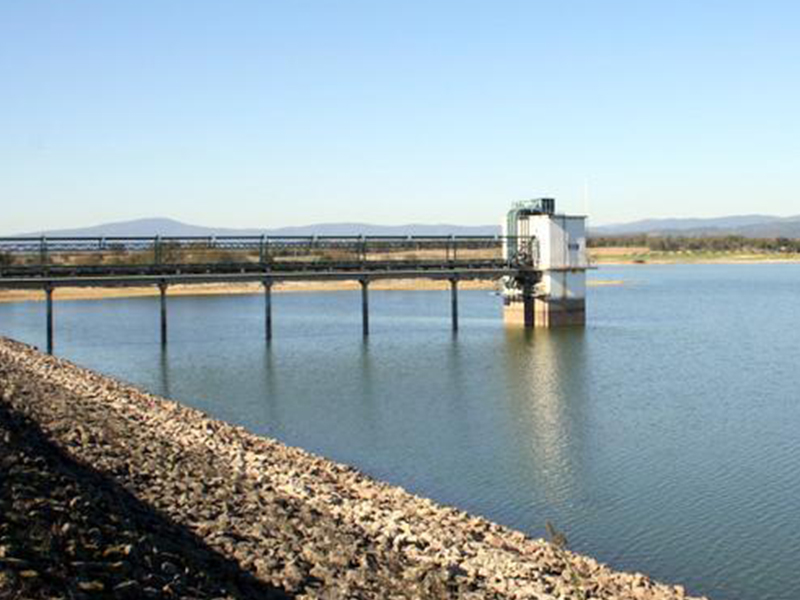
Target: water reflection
(661, 438)
(547, 397)
(369, 397)
(460, 413)
(164, 371)
(270, 390)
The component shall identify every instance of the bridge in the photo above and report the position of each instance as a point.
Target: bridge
(541, 259)
(49, 263)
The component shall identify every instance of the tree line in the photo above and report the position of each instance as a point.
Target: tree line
(674, 243)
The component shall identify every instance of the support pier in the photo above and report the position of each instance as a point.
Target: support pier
(48, 291)
(365, 306)
(268, 309)
(454, 303)
(162, 287)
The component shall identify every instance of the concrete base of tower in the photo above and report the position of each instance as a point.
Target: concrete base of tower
(559, 313)
(514, 314)
(546, 313)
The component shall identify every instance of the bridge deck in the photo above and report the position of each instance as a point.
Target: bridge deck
(94, 277)
(49, 263)
(52, 262)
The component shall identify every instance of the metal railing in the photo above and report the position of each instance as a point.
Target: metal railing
(44, 252)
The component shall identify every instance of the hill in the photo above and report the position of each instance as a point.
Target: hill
(171, 227)
(751, 226)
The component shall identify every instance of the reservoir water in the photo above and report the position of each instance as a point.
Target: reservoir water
(664, 438)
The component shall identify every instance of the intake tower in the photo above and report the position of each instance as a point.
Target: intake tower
(549, 289)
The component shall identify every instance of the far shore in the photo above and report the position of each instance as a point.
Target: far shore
(601, 257)
(620, 255)
(722, 260)
(220, 289)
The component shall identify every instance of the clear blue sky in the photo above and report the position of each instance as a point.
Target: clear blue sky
(271, 113)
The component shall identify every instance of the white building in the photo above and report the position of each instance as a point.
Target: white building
(550, 250)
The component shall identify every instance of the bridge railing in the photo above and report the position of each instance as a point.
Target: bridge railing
(45, 252)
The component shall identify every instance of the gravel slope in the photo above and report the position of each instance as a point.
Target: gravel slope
(283, 518)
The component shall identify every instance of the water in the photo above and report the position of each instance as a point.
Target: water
(662, 438)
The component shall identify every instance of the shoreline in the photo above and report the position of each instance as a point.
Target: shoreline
(221, 289)
(607, 259)
(285, 518)
(618, 257)
(720, 261)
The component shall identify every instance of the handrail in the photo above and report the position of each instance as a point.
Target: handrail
(108, 240)
(75, 251)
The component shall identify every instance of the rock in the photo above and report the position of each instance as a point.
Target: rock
(29, 574)
(91, 586)
(127, 587)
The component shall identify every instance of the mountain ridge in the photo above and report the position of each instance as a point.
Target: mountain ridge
(753, 226)
(153, 226)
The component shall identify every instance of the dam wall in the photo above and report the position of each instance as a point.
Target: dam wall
(283, 522)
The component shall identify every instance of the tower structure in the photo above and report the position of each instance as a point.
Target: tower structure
(550, 251)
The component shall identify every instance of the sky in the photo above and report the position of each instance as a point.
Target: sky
(272, 113)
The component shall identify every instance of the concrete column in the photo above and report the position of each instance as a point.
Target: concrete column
(48, 291)
(365, 306)
(529, 318)
(162, 286)
(268, 309)
(454, 302)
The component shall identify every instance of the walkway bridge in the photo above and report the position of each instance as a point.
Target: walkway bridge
(48, 263)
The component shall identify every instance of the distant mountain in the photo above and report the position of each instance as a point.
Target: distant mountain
(170, 227)
(753, 226)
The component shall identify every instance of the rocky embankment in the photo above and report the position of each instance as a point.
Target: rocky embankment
(107, 490)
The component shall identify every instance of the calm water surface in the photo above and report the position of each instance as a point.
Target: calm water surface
(665, 437)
